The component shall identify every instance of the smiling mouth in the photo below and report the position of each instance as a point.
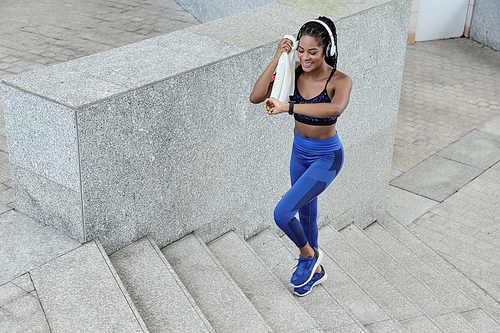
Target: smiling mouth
(307, 64)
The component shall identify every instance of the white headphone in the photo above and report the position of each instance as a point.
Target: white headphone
(330, 49)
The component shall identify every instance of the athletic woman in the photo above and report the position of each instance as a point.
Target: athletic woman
(321, 95)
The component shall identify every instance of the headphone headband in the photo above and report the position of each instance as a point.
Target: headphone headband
(332, 50)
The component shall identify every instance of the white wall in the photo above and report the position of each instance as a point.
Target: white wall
(437, 19)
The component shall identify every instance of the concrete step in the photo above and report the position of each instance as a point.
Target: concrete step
(437, 313)
(277, 305)
(219, 298)
(320, 304)
(348, 292)
(394, 303)
(159, 295)
(486, 315)
(81, 292)
(418, 294)
(441, 287)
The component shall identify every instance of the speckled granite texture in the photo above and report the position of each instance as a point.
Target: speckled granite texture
(485, 26)
(143, 141)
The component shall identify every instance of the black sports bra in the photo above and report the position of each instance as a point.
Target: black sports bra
(321, 98)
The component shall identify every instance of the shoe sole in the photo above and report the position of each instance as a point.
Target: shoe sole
(320, 256)
(323, 278)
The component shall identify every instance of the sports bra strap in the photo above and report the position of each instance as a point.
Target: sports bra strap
(330, 77)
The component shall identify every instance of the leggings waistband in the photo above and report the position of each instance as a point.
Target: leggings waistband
(317, 146)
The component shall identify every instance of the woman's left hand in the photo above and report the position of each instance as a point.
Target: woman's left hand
(273, 106)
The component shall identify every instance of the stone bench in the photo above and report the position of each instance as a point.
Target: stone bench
(159, 137)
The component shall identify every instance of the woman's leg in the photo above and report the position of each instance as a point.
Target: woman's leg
(313, 181)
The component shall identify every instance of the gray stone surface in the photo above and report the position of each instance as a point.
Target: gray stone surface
(81, 292)
(449, 272)
(406, 206)
(436, 178)
(20, 311)
(269, 296)
(386, 326)
(206, 11)
(48, 202)
(373, 282)
(320, 305)
(26, 244)
(481, 321)
(477, 149)
(163, 302)
(416, 292)
(485, 26)
(42, 137)
(219, 298)
(492, 126)
(348, 293)
(143, 157)
(452, 322)
(448, 293)
(419, 324)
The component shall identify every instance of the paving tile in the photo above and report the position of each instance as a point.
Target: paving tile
(80, 292)
(387, 326)
(453, 323)
(481, 321)
(419, 324)
(492, 126)
(26, 244)
(405, 206)
(436, 178)
(478, 149)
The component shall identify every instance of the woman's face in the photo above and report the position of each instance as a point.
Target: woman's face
(310, 54)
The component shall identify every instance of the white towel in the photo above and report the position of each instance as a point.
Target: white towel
(284, 82)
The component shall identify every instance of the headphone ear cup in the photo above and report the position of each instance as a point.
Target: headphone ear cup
(328, 50)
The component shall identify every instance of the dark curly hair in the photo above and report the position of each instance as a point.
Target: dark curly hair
(322, 37)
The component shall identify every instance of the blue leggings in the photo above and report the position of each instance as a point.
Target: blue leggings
(313, 166)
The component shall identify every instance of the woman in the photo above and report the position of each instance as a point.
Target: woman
(321, 95)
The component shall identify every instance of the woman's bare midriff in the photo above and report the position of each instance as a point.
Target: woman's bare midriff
(315, 132)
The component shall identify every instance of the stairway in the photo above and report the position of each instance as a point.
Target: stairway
(380, 279)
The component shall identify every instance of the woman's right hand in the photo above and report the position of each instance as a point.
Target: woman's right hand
(284, 46)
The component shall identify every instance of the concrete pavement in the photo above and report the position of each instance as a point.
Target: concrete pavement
(445, 174)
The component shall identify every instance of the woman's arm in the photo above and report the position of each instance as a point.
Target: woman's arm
(335, 108)
(262, 89)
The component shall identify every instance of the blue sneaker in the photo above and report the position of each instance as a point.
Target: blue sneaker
(316, 279)
(305, 269)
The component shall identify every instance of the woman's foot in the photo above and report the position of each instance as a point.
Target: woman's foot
(316, 279)
(305, 269)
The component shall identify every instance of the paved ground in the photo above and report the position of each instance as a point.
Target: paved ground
(445, 174)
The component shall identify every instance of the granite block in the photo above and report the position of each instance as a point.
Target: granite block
(206, 11)
(436, 178)
(219, 298)
(359, 192)
(481, 321)
(477, 149)
(256, 28)
(386, 326)
(24, 282)
(79, 292)
(159, 298)
(100, 76)
(26, 244)
(48, 202)
(276, 305)
(42, 137)
(485, 25)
